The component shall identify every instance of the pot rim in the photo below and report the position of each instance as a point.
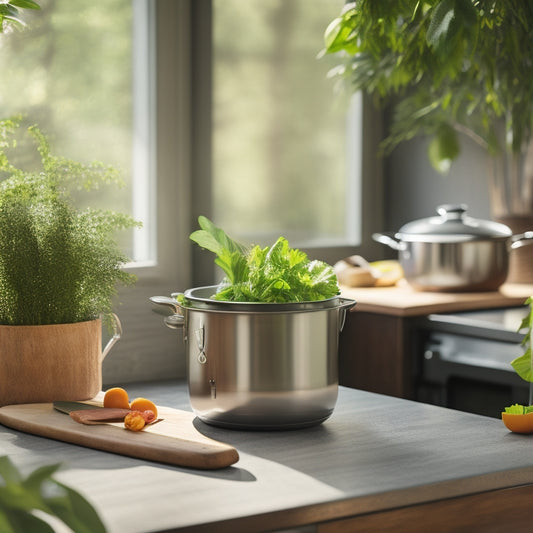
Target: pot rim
(199, 298)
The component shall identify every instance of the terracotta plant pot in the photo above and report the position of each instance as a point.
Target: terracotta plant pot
(52, 362)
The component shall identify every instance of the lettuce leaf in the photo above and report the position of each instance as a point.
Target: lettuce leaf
(274, 274)
(517, 409)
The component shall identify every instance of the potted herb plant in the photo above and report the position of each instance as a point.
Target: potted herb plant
(59, 267)
(447, 69)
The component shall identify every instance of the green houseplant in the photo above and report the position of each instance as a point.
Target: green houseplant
(59, 268)
(58, 264)
(448, 68)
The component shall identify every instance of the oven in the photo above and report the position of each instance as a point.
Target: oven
(463, 360)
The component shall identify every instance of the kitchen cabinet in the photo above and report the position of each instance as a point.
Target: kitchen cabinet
(379, 463)
(379, 347)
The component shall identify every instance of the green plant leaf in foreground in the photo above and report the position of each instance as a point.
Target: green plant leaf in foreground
(39, 491)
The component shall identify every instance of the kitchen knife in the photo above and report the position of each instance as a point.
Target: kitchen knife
(67, 407)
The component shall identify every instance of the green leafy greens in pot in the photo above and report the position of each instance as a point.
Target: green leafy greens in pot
(274, 274)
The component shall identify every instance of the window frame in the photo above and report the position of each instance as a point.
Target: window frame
(148, 350)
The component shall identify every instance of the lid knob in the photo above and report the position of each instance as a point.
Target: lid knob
(452, 211)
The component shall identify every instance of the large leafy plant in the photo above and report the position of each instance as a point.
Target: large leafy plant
(25, 502)
(58, 264)
(445, 66)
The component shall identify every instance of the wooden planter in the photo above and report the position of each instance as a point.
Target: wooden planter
(52, 362)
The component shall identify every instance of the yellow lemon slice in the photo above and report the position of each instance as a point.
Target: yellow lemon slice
(390, 270)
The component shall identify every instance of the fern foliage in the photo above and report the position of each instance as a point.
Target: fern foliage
(58, 264)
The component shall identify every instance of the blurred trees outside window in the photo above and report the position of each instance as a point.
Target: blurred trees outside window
(71, 71)
(283, 155)
(281, 137)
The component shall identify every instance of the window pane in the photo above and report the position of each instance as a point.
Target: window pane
(71, 73)
(280, 134)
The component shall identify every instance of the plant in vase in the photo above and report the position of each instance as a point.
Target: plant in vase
(446, 69)
(59, 268)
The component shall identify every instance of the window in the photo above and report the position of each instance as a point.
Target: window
(276, 150)
(85, 72)
(80, 73)
(280, 135)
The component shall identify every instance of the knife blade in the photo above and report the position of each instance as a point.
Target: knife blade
(90, 414)
(67, 407)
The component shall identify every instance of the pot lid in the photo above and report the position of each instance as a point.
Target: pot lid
(452, 225)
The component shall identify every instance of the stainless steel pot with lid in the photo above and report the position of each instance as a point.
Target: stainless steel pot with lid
(259, 365)
(453, 251)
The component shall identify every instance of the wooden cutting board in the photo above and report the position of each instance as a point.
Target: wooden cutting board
(174, 440)
(403, 300)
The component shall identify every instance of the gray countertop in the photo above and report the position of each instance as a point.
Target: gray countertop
(374, 453)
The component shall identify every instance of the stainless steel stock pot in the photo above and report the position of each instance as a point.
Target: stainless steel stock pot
(259, 365)
(453, 251)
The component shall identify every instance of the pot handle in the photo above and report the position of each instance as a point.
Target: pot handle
(387, 239)
(345, 305)
(117, 334)
(522, 239)
(174, 321)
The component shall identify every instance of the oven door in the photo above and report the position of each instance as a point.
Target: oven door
(470, 374)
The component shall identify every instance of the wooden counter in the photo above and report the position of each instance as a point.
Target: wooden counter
(379, 349)
(378, 464)
(402, 300)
